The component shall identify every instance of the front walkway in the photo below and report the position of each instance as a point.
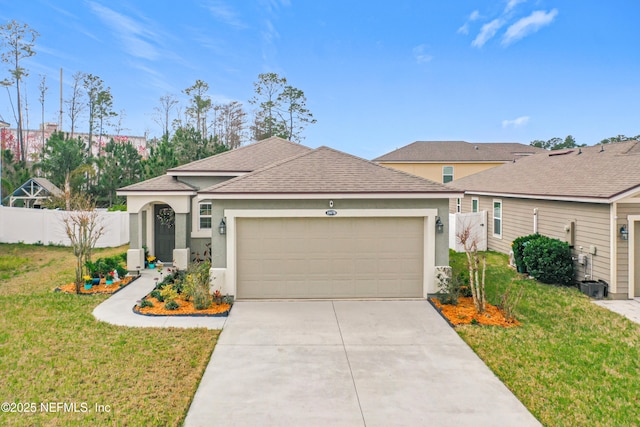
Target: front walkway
(118, 309)
(629, 308)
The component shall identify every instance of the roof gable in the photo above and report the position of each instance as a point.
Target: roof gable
(244, 159)
(458, 151)
(327, 171)
(596, 172)
(160, 183)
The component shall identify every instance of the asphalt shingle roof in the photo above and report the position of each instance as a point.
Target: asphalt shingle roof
(160, 183)
(588, 172)
(247, 158)
(325, 170)
(458, 151)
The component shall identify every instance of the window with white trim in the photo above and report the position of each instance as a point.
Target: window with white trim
(204, 215)
(497, 218)
(458, 205)
(447, 174)
(475, 204)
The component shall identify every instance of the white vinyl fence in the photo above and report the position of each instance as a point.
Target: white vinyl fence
(477, 224)
(47, 227)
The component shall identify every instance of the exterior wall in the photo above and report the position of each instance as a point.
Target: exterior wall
(219, 247)
(433, 171)
(591, 227)
(621, 213)
(46, 226)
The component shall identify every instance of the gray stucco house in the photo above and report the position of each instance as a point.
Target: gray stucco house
(282, 220)
(589, 197)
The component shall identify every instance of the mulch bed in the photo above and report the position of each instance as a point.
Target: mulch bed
(102, 288)
(465, 313)
(185, 308)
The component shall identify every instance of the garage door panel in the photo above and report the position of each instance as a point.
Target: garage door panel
(329, 257)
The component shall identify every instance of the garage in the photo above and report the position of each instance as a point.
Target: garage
(330, 257)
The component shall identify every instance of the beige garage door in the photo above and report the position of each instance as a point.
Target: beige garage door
(329, 257)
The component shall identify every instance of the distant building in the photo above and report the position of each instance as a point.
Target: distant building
(34, 140)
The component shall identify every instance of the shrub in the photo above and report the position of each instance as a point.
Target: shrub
(201, 298)
(171, 305)
(549, 260)
(518, 246)
(157, 295)
(121, 271)
(168, 293)
(145, 303)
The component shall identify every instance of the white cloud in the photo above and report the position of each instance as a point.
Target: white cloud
(475, 15)
(224, 13)
(516, 123)
(511, 4)
(419, 53)
(131, 32)
(487, 32)
(528, 25)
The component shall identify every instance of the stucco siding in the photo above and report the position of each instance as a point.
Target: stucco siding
(202, 182)
(590, 224)
(623, 210)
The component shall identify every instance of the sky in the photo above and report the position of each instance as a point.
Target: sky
(377, 75)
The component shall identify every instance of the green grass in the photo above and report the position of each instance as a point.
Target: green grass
(571, 363)
(53, 350)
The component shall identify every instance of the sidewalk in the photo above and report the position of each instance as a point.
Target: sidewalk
(118, 309)
(629, 308)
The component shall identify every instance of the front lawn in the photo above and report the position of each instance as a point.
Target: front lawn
(572, 363)
(53, 352)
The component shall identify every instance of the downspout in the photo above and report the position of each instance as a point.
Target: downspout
(535, 220)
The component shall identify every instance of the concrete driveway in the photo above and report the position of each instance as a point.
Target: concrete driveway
(348, 363)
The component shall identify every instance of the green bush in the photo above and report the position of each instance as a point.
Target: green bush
(171, 305)
(145, 303)
(549, 260)
(157, 295)
(518, 246)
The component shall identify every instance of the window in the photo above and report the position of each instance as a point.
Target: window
(474, 204)
(458, 205)
(447, 174)
(205, 215)
(497, 218)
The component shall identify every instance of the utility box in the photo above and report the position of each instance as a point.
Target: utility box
(594, 289)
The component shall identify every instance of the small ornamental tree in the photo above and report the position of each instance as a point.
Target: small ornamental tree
(84, 228)
(469, 242)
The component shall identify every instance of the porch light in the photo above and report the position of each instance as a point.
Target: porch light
(624, 233)
(222, 227)
(439, 225)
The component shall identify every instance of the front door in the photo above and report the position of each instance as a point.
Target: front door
(164, 233)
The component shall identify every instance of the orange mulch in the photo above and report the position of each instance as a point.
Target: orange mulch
(102, 288)
(184, 307)
(465, 312)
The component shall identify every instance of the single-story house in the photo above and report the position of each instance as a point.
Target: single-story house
(446, 161)
(589, 197)
(281, 220)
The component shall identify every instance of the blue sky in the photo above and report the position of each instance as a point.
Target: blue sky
(377, 74)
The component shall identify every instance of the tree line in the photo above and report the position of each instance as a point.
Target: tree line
(570, 142)
(81, 163)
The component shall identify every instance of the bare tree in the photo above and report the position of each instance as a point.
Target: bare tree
(43, 90)
(83, 227)
(75, 106)
(469, 242)
(229, 124)
(18, 40)
(162, 113)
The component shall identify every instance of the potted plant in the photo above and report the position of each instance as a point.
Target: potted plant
(109, 278)
(88, 282)
(92, 272)
(152, 261)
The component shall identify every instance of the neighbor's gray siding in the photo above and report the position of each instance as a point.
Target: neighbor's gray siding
(591, 227)
(219, 248)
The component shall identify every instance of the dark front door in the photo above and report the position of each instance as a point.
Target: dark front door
(164, 232)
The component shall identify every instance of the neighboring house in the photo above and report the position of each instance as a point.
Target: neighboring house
(589, 197)
(446, 161)
(32, 193)
(286, 221)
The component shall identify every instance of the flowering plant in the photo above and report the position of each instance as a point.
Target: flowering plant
(151, 259)
(87, 279)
